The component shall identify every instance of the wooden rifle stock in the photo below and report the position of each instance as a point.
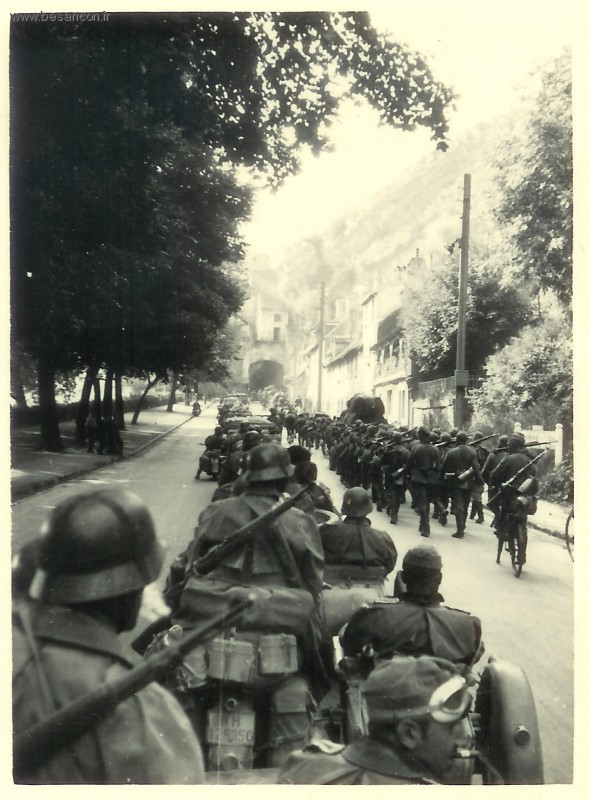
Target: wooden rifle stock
(45, 739)
(217, 553)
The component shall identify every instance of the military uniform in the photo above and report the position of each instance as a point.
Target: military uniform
(409, 627)
(354, 541)
(503, 472)
(364, 762)
(393, 460)
(256, 563)
(147, 739)
(98, 552)
(282, 567)
(457, 461)
(423, 467)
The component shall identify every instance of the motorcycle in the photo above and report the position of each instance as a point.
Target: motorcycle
(209, 462)
(196, 410)
(244, 695)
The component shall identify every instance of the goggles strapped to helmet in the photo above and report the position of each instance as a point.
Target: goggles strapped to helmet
(448, 703)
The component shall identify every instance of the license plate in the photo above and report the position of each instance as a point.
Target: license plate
(227, 728)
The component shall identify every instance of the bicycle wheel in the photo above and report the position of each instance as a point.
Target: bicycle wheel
(569, 535)
(517, 548)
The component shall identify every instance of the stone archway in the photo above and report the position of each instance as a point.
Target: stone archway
(265, 373)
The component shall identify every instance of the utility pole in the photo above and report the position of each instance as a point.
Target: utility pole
(461, 373)
(320, 344)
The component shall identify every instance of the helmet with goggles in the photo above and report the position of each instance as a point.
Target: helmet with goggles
(410, 688)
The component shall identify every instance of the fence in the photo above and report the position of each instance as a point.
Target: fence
(537, 433)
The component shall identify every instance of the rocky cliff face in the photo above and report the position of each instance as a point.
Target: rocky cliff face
(372, 245)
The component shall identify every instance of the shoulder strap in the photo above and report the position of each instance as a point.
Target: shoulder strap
(24, 616)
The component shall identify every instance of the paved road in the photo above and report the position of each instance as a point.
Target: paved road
(527, 620)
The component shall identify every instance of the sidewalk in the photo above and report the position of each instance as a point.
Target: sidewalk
(33, 471)
(549, 518)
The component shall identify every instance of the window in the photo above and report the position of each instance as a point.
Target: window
(276, 334)
(402, 410)
(276, 317)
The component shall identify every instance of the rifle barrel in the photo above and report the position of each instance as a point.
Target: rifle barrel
(513, 477)
(210, 559)
(45, 739)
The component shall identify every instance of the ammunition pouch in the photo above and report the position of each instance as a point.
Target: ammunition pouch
(249, 659)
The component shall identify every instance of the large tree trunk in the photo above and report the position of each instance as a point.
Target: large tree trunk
(84, 404)
(107, 395)
(97, 399)
(172, 397)
(50, 435)
(119, 402)
(139, 406)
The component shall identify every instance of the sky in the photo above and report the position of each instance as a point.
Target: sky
(484, 51)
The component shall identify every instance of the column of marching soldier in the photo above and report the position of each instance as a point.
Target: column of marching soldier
(80, 585)
(444, 472)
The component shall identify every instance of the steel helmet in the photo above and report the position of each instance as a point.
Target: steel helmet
(268, 462)
(251, 439)
(95, 546)
(356, 502)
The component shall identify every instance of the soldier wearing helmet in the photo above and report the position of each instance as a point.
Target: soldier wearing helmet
(476, 495)
(232, 465)
(423, 468)
(97, 553)
(216, 440)
(415, 623)
(516, 459)
(494, 458)
(415, 709)
(354, 542)
(281, 564)
(460, 469)
(393, 464)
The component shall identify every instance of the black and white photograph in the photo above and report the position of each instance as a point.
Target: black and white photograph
(289, 318)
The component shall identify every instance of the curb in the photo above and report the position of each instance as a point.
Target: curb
(550, 531)
(155, 440)
(44, 484)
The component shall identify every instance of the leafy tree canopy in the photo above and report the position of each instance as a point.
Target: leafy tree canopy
(531, 379)
(495, 312)
(535, 181)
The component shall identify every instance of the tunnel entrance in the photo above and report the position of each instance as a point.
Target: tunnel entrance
(265, 373)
